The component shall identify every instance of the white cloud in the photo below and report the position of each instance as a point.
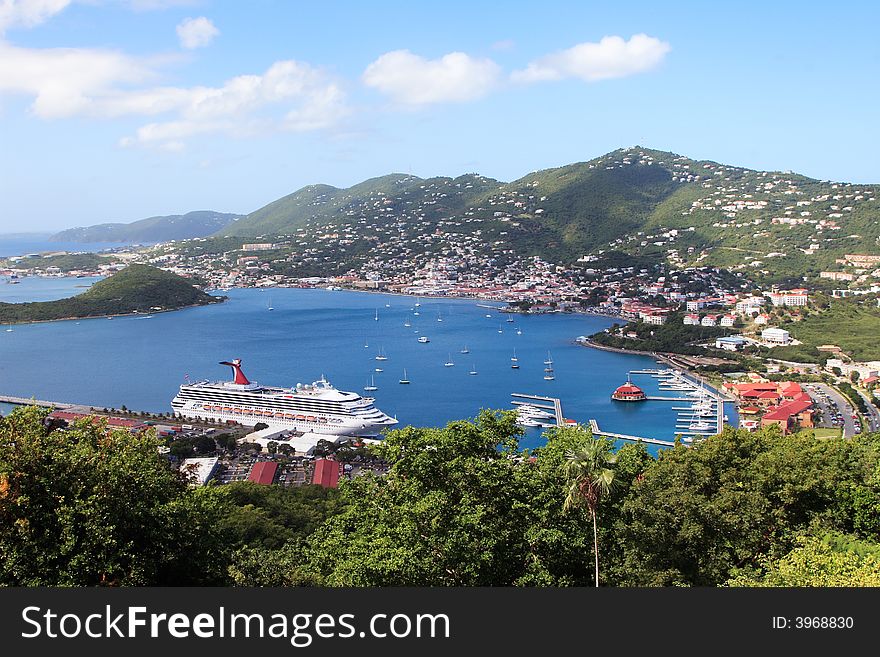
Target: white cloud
(66, 81)
(196, 32)
(28, 13)
(244, 105)
(414, 80)
(612, 57)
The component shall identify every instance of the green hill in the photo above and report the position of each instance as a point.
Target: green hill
(135, 289)
(380, 199)
(199, 223)
(651, 205)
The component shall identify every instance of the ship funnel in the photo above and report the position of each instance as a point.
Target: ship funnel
(238, 375)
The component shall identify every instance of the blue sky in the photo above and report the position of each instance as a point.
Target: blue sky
(115, 110)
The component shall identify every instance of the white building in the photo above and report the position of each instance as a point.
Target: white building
(731, 343)
(727, 320)
(797, 297)
(709, 320)
(199, 470)
(776, 336)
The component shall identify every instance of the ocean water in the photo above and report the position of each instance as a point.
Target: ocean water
(22, 244)
(140, 361)
(38, 288)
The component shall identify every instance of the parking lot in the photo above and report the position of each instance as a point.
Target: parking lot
(835, 408)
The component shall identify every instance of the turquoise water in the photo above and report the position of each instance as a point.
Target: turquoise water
(140, 362)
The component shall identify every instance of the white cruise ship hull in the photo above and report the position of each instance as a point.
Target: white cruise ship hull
(318, 408)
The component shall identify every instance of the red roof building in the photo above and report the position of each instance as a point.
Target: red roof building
(326, 473)
(790, 413)
(112, 422)
(263, 472)
(628, 392)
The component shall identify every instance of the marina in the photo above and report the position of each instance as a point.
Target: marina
(315, 332)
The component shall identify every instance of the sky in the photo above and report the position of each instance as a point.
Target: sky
(116, 110)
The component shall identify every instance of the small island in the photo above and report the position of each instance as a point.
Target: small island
(134, 290)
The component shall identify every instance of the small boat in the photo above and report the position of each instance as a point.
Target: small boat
(439, 318)
(519, 331)
(424, 339)
(417, 313)
(473, 370)
(269, 305)
(500, 330)
(514, 361)
(372, 385)
(407, 324)
(9, 330)
(378, 369)
(366, 345)
(488, 315)
(381, 356)
(404, 379)
(387, 305)
(465, 350)
(377, 315)
(448, 362)
(510, 320)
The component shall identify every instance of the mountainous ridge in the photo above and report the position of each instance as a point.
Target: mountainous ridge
(199, 223)
(641, 201)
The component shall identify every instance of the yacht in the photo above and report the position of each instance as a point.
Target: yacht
(448, 362)
(473, 371)
(465, 350)
(404, 379)
(318, 407)
(424, 339)
(381, 355)
(514, 361)
(372, 385)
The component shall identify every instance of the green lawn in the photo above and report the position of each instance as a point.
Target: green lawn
(852, 325)
(822, 432)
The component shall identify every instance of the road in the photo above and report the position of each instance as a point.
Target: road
(838, 401)
(873, 415)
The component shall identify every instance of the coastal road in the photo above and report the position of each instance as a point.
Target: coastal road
(838, 401)
(873, 415)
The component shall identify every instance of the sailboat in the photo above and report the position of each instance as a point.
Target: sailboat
(465, 350)
(514, 361)
(473, 370)
(270, 303)
(377, 315)
(548, 371)
(380, 355)
(372, 385)
(439, 317)
(366, 344)
(404, 379)
(500, 330)
(510, 320)
(448, 362)
(519, 331)
(407, 324)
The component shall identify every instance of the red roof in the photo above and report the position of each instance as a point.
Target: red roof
(326, 473)
(785, 411)
(263, 472)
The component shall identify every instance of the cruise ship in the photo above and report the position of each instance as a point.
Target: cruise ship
(317, 408)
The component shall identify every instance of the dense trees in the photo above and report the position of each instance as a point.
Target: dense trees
(460, 505)
(81, 507)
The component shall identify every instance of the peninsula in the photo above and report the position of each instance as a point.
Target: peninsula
(135, 289)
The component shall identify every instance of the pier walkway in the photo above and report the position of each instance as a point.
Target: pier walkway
(24, 401)
(555, 405)
(622, 436)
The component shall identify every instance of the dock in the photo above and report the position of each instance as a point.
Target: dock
(551, 404)
(622, 436)
(25, 401)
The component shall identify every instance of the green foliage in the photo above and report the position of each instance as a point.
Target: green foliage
(137, 288)
(699, 513)
(672, 337)
(271, 516)
(199, 223)
(852, 324)
(84, 507)
(832, 560)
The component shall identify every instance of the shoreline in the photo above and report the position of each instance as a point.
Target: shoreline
(131, 314)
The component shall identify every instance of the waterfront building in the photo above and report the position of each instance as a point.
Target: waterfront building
(628, 392)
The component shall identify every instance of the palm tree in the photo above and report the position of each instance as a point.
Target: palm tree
(589, 478)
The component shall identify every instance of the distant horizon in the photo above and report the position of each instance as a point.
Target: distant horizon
(117, 111)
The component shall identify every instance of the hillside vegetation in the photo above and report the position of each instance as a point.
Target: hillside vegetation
(771, 225)
(135, 289)
(199, 223)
